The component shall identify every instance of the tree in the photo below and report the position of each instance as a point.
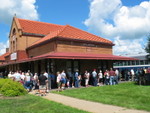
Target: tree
(147, 48)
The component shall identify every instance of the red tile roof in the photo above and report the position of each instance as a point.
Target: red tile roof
(29, 26)
(48, 37)
(69, 32)
(75, 33)
(54, 30)
(2, 57)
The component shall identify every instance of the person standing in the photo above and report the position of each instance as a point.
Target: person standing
(35, 82)
(132, 75)
(10, 75)
(63, 79)
(137, 74)
(70, 77)
(94, 75)
(86, 77)
(17, 76)
(58, 80)
(76, 79)
(22, 76)
(116, 76)
(27, 80)
(106, 77)
(46, 74)
(111, 74)
(100, 78)
(42, 84)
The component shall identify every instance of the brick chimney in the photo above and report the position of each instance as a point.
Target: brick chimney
(7, 50)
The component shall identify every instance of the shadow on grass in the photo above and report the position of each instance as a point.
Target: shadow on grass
(142, 84)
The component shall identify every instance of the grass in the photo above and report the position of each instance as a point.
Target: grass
(33, 104)
(126, 95)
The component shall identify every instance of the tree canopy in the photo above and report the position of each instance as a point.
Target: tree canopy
(147, 48)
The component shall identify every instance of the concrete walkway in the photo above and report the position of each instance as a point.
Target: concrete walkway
(89, 106)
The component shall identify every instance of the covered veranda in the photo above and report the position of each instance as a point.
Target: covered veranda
(58, 61)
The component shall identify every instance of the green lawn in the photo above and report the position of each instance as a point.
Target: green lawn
(126, 95)
(33, 104)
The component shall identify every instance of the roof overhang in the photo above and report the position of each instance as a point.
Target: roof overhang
(62, 55)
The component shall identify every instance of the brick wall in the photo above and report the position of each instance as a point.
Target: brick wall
(43, 49)
(83, 48)
(64, 46)
(21, 55)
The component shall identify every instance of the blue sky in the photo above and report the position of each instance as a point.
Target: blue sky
(121, 21)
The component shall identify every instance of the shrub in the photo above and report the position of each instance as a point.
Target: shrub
(11, 88)
(2, 82)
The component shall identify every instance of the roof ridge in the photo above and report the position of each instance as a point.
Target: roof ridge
(39, 22)
(63, 29)
(58, 31)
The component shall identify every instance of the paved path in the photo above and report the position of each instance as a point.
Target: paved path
(89, 106)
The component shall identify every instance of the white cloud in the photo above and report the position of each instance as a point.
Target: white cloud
(123, 47)
(3, 46)
(112, 19)
(22, 8)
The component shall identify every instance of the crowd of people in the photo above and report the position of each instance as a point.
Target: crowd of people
(64, 79)
(94, 78)
(30, 81)
(61, 80)
(134, 74)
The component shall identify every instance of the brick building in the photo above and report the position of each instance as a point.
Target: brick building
(39, 46)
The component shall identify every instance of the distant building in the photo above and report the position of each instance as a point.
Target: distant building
(39, 47)
(142, 62)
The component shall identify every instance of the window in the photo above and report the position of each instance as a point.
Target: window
(129, 62)
(137, 62)
(141, 62)
(14, 41)
(133, 62)
(146, 61)
(13, 46)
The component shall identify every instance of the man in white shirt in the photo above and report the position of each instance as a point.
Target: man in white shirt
(132, 74)
(116, 76)
(17, 76)
(46, 74)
